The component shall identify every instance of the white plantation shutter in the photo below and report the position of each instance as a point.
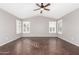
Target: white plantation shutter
(26, 27)
(52, 27)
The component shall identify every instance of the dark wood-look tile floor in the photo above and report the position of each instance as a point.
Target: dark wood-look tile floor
(39, 46)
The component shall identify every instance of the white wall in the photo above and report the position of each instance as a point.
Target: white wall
(39, 27)
(7, 28)
(71, 28)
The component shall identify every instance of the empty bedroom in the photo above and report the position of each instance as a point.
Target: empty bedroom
(39, 28)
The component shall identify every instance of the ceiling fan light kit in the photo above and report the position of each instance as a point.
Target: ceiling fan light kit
(42, 7)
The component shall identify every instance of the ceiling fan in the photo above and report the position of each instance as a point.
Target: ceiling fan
(42, 7)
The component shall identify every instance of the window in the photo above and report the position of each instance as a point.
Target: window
(52, 27)
(26, 27)
(18, 26)
(59, 26)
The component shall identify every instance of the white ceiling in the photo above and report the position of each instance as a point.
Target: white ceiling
(25, 10)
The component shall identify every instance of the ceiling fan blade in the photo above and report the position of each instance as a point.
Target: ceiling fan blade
(37, 9)
(47, 5)
(38, 5)
(46, 9)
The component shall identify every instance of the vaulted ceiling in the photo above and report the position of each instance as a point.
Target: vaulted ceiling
(25, 10)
